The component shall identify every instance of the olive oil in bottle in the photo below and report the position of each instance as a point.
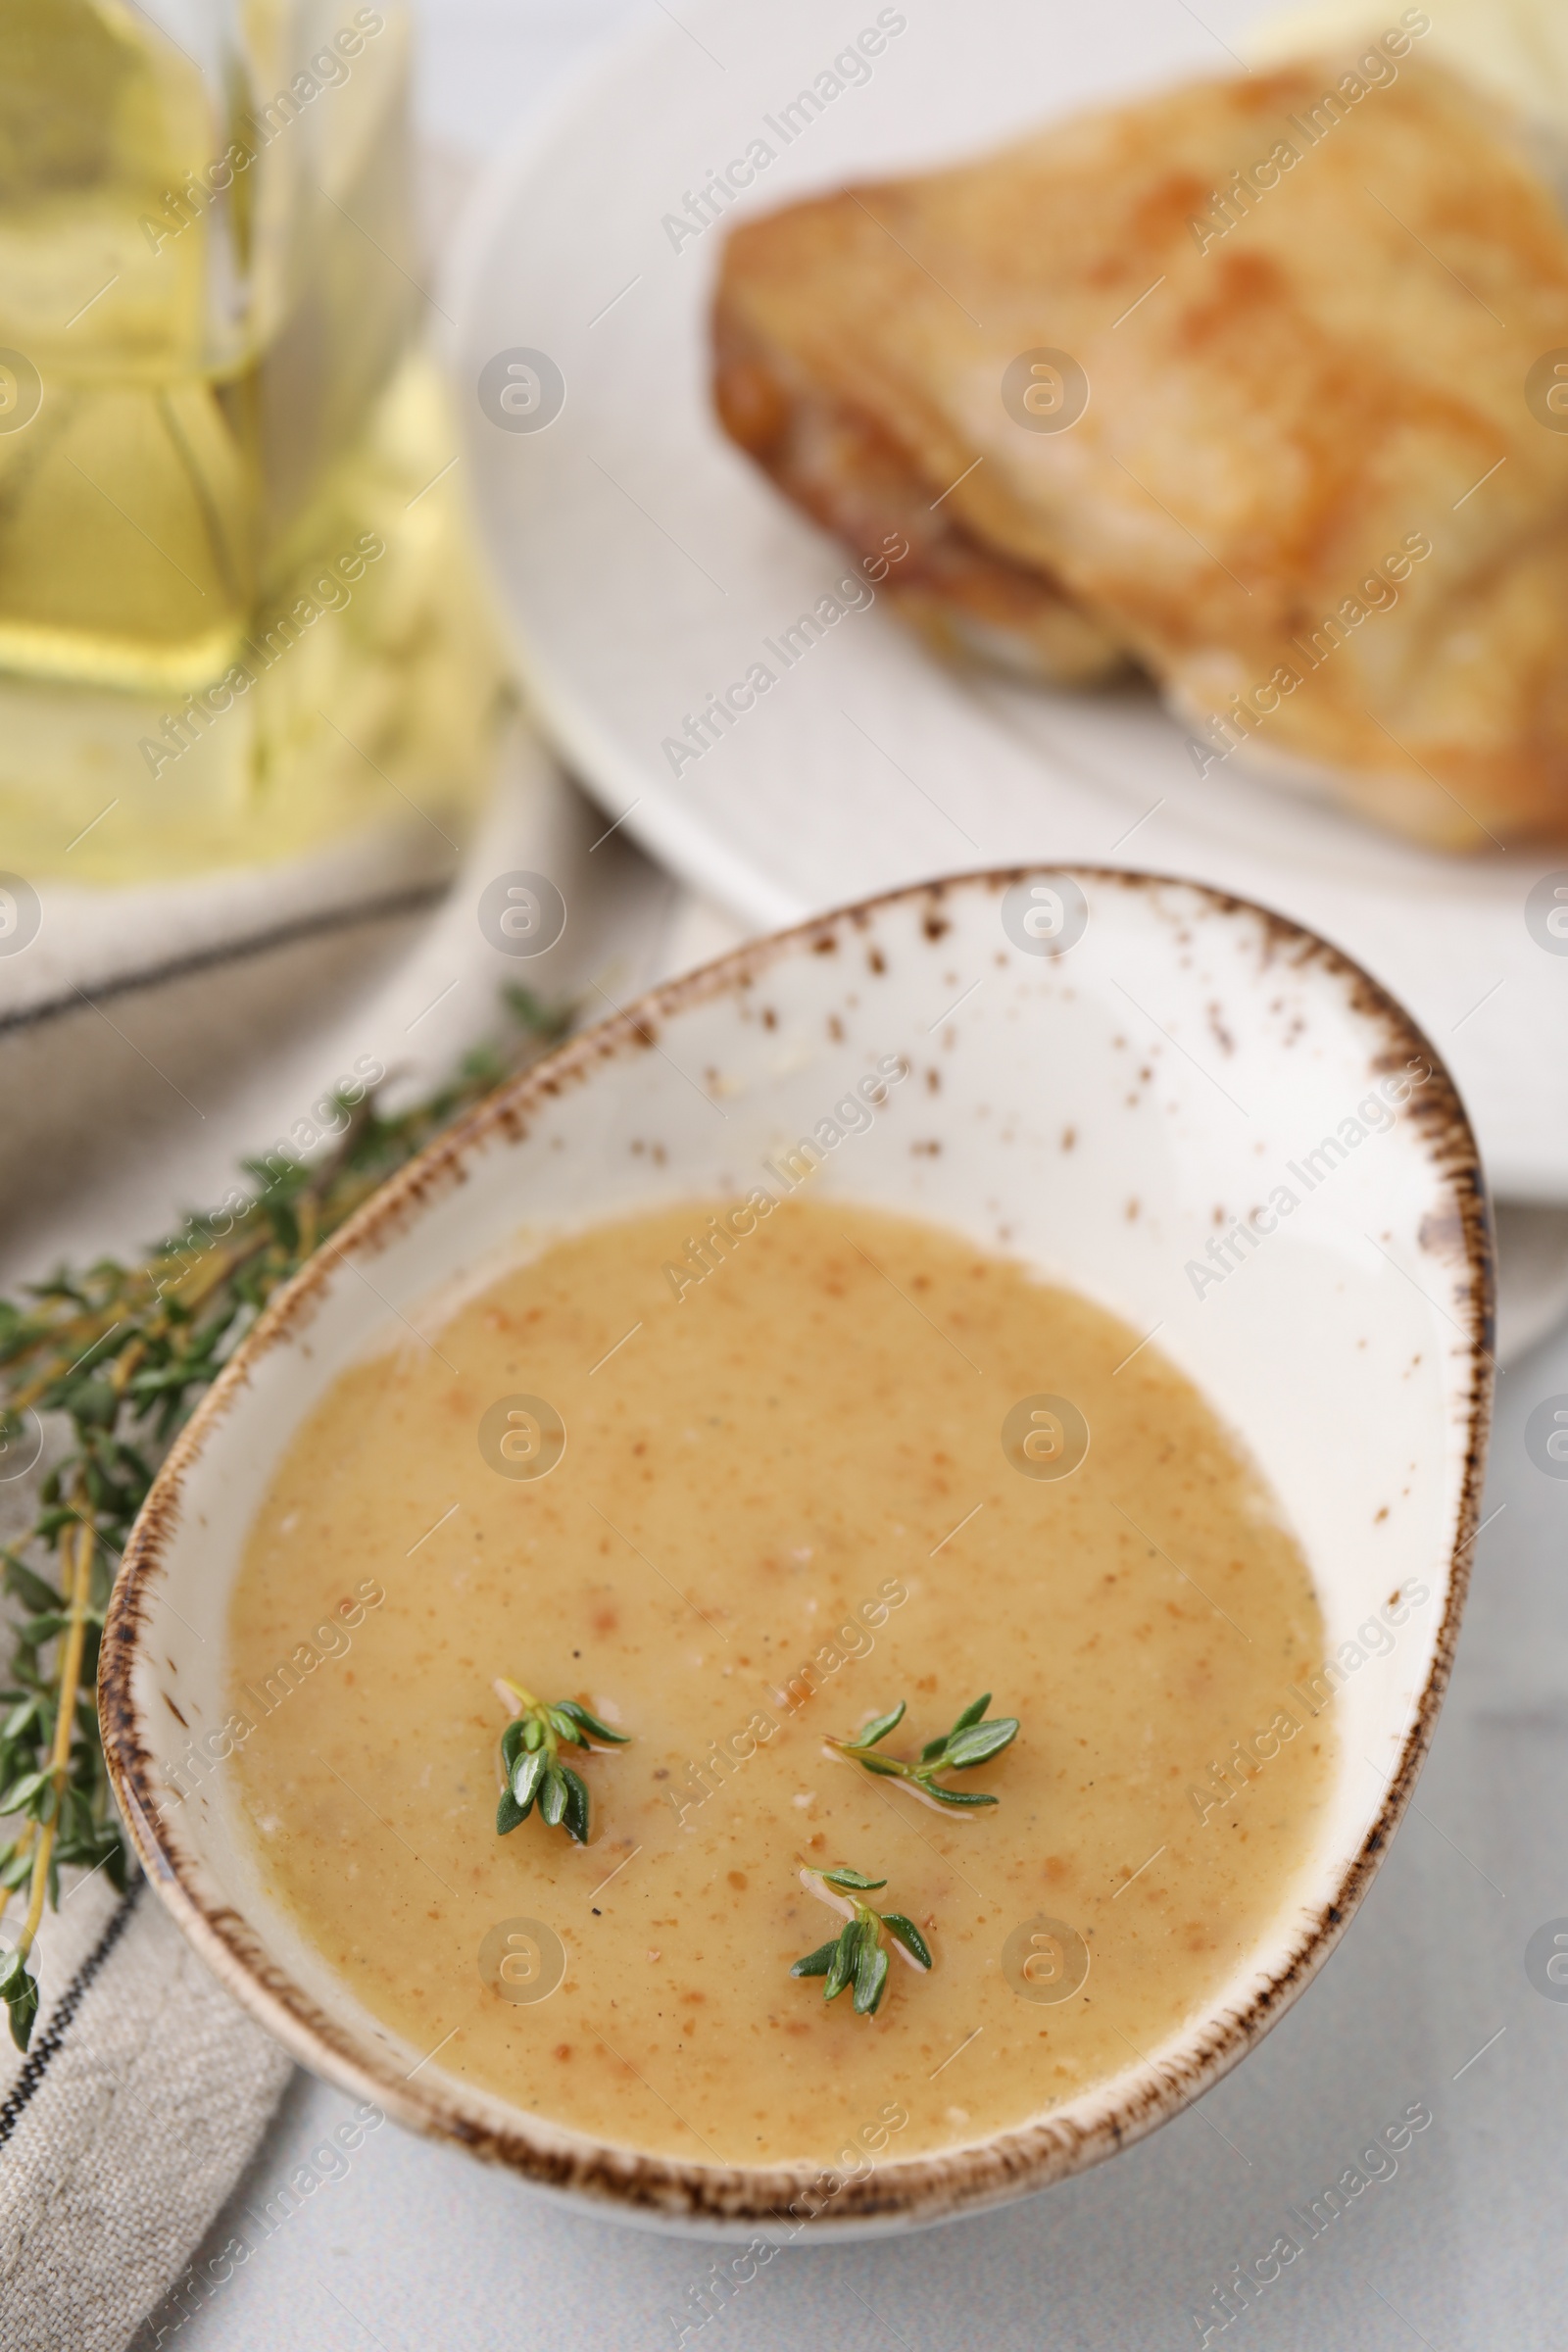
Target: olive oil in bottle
(236, 599)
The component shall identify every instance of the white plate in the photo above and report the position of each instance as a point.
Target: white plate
(642, 561)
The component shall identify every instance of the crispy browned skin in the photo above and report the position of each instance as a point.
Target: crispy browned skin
(1305, 393)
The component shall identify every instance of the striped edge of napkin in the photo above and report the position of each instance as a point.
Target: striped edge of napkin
(125, 2128)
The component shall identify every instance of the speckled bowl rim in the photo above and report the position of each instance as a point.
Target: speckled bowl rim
(719, 2199)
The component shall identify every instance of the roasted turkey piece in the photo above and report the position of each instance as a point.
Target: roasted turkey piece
(1320, 487)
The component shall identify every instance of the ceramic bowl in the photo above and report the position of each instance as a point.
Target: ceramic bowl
(1194, 1112)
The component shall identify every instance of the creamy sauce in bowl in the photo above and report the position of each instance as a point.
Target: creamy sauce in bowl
(858, 1461)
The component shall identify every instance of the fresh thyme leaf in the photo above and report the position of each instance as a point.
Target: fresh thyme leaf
(37, 1595)
(908, 1934)
(530, 1755)
(870, 1976)
(576, 1815)
(856, 1956)
(27, 1711)
(591, 1725)
(21, 2000)
(20, 1794)
(818, 1963)
(509, 1813)
(842, 1964)
(125, 1350)
(980, 1742)
(971, 1742)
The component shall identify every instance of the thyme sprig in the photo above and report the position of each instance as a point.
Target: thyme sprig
(530, 1756)
(972, 1740)
(123, 1352)
(856, 1955)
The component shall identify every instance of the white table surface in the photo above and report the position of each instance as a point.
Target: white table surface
(418, 2248)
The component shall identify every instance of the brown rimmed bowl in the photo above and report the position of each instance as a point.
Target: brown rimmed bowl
(1206, 1058)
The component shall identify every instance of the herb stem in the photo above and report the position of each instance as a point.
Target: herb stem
(973, 1739)
(70, 1649)
(122, 1351)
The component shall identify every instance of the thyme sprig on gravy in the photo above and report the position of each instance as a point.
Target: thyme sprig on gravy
(857, 1956)
(530, 1755)
(972, 1740)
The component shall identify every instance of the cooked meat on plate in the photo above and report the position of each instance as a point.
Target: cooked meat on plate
(1258, 386)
